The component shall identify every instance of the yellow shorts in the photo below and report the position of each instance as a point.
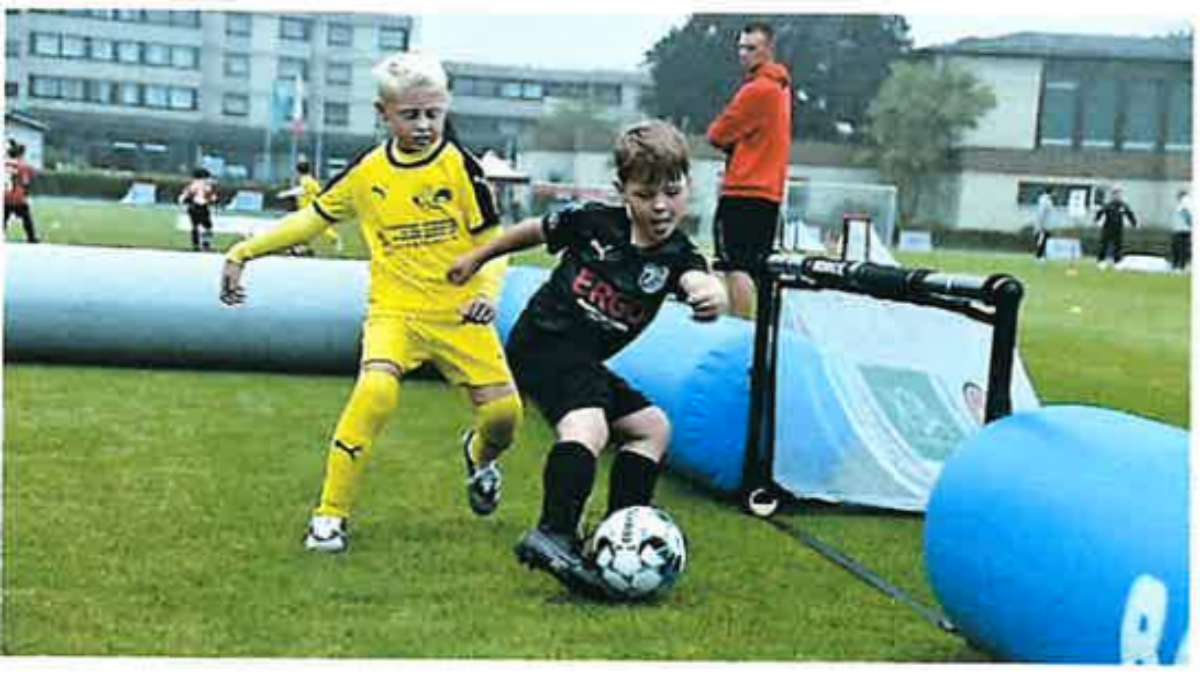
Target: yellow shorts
(465, 353)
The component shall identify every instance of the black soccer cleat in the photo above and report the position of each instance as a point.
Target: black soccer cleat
(559, 555)
(483, 482)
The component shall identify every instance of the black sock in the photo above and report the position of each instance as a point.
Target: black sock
(566, 485)
(632, 481)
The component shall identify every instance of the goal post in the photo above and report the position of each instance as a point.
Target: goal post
(886, 420)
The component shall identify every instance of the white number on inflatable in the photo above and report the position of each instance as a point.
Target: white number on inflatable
(1145, 616)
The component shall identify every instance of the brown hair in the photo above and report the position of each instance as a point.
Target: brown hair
(651, 151)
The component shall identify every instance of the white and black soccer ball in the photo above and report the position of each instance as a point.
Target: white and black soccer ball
(639, 551)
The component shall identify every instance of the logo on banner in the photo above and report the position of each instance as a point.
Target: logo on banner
(912, 405)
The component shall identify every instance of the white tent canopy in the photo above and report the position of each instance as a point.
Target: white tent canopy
(496, 169)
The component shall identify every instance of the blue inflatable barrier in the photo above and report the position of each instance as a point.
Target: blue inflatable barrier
(1061, 536)
(159, 308)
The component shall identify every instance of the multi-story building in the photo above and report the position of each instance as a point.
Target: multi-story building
(1077, 114)
(163, 90)
(496, 106)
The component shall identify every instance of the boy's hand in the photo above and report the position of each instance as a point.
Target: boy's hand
(462, 270)
(706, 303)
(232, 291)
(479, 310)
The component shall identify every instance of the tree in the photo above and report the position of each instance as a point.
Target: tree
(836, 61)
(916, 121)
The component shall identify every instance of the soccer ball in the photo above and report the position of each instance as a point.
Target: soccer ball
(639, 552)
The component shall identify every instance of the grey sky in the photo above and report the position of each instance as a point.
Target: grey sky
(619, 41)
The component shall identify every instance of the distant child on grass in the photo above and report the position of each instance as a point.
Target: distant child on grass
(421, 202)
(617, 266)
(198, 197)
(305, 192)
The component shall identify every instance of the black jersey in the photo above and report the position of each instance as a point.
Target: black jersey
(1114, 214)
(604, 290)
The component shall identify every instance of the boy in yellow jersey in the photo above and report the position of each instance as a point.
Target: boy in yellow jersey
(421, 202)
(305, 192)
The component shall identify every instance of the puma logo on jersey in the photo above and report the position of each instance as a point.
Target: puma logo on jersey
(351, 450)
(600, 249)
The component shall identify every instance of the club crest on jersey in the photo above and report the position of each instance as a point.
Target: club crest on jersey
(431, 199)
(652, 278)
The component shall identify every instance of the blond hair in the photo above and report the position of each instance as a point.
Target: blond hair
(651, 151)
(404, 71)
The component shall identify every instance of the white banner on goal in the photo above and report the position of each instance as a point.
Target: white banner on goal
(873, 396)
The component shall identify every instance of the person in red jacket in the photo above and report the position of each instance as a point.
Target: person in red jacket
(17, 177)
(755, 132)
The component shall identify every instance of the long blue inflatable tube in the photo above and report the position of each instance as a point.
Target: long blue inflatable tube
(1061, 536)
(159, 308)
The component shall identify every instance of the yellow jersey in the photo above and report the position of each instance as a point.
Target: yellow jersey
(309, 189)
(418, 214)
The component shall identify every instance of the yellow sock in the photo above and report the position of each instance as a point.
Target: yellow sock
(495, 425)
(374, 398)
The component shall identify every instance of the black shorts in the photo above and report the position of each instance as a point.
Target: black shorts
(200, 216)
(559, 382)
(744, 231)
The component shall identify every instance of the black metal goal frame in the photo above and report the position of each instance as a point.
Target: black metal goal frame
(994, 300)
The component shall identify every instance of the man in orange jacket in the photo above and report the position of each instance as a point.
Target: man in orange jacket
(755, 132)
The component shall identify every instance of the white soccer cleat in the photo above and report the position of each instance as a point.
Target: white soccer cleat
(327, 534)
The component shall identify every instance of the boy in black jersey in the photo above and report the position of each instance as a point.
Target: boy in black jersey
(617, 266)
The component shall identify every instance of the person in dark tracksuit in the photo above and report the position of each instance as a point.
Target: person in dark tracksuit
(1112, 221)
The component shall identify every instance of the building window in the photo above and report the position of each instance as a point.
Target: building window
(12, 47)
(1179, 116)
(237, 23)
(100, 91)
(290, 68)
(129, 93)
(189, 18)
(337, 73)
(158, 16)
(11, 89)
(337, 114)
(73, 89)
(129, 52)
(101, 49)
(393, 37)
(237, 65)
(127, 14)
(291, 28)
(510, 90)
(237, 105)
(44, 44)
(340, 34)
(1058, 112)
(155, 95)
(74, 47)
(531, 90)
(157, 54)
(43, 87)
(566, 89)
(185, 57)
(608, 94)
(1142, 126)
(1100, 113)
(183, 98)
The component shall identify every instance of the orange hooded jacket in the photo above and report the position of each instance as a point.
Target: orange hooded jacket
(755, 129)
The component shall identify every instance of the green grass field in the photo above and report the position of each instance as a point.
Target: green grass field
(159, 512)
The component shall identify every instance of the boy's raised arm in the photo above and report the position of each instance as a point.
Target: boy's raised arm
(523, 235)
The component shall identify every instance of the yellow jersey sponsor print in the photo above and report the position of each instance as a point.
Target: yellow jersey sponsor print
(418, 214)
